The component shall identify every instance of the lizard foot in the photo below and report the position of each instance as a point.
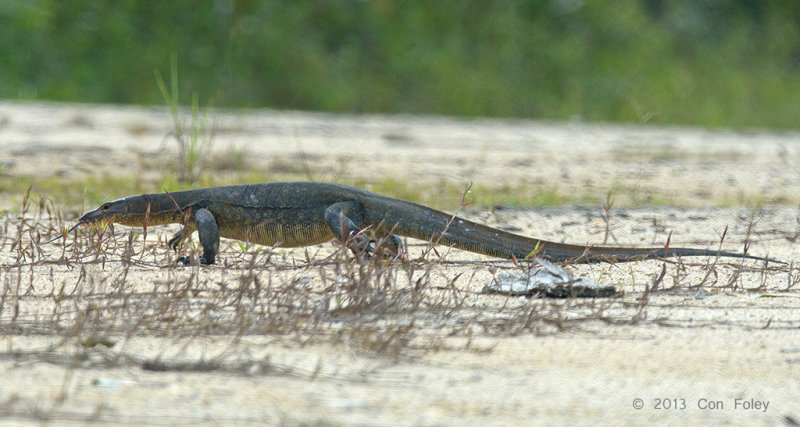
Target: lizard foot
(386, 248)
(185, 260)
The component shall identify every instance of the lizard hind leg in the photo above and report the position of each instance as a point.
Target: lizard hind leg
(343, 219)
(389, 246)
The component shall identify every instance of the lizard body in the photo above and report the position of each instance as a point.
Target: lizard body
(293, 214)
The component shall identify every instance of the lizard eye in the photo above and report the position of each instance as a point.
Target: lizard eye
(105, 207)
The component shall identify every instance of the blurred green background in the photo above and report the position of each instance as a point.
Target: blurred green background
(704, 62)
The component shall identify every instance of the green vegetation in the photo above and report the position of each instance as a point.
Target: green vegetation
(712, 63)
(78, 194)
(192, 144)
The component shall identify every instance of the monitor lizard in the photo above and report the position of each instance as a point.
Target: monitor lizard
(292, 214)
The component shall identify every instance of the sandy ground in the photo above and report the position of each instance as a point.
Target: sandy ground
(703, 354)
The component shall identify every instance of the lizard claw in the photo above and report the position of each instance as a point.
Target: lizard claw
(174, 242)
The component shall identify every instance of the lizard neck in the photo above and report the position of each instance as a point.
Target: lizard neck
(153, 209)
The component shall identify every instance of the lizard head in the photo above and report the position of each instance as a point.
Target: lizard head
(107, 212)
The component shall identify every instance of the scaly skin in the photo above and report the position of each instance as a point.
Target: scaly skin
(294, 214)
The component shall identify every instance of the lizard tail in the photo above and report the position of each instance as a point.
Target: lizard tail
(445, 229)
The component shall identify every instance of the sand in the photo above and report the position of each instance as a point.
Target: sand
(719, 350)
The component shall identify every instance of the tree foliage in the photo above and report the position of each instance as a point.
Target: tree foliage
(706, 62)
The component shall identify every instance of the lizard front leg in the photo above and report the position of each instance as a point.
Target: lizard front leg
(180, 236)
(208, 231)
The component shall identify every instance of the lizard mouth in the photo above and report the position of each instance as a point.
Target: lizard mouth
(64, 235)
(81, 221)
